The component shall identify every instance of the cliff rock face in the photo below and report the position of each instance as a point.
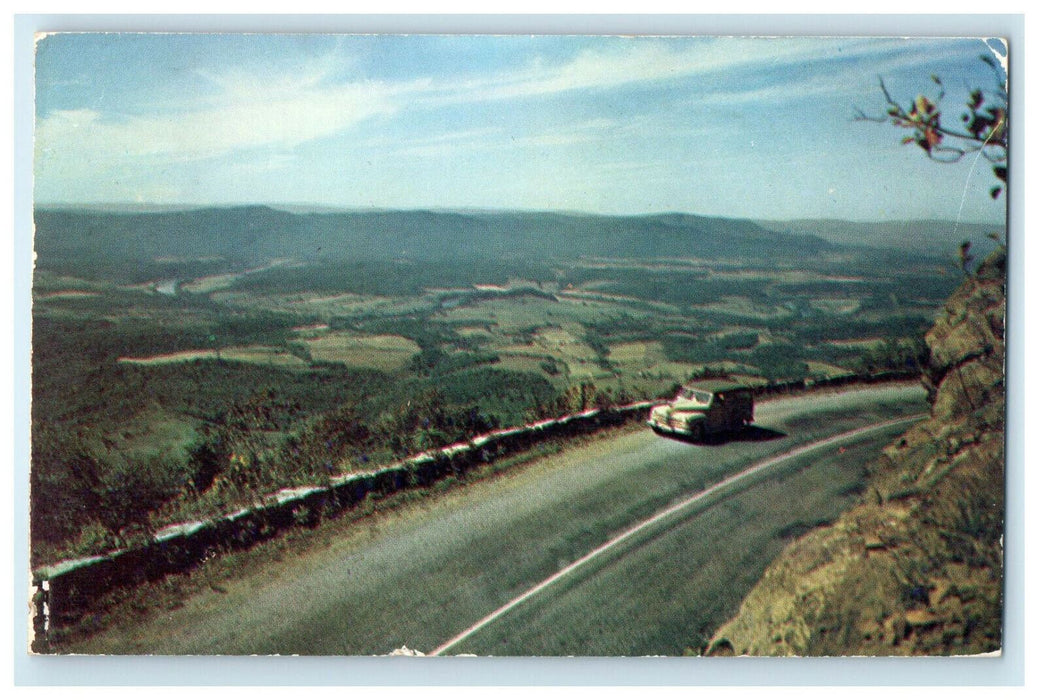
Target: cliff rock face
(916, 567)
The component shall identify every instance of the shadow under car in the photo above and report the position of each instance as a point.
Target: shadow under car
(749, 433)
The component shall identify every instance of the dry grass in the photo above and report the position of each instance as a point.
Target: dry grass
(67, 294)
(826, 369)
(257, 354)
(644, 353)
(856, 342)
(522, 363)
(382, 352)
(206, 285)
(742, 306)
(836, 306)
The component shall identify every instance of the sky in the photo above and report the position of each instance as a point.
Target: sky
(737, 127)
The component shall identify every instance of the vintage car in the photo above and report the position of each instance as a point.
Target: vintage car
(704, 408)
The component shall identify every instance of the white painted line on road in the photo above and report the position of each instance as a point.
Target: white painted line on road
(668, 512)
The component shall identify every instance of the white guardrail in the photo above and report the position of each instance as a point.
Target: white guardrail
(63, 590)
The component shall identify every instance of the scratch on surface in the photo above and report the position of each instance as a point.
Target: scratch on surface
(1001, 55)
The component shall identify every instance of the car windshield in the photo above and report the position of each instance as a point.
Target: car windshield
(702, 397)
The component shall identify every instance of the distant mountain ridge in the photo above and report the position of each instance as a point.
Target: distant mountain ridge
(249, 235)
(917, 235)
(257, 233)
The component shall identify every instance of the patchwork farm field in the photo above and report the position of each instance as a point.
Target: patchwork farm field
(383, 352)
(170, 386)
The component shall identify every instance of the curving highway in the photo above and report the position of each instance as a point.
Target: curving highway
(630, 545)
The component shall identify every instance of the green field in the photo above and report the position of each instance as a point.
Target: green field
(388, 353)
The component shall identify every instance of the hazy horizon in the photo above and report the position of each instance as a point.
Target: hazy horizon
(725, 127)
(306, 207)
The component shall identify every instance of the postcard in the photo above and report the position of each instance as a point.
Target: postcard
(518, 345)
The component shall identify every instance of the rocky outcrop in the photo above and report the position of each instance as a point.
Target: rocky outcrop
(916, 567)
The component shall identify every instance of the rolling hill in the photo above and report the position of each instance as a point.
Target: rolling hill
(258, 233)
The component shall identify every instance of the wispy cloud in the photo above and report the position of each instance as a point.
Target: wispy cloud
(614, 124)
(245, 110)
(256, 110)
(493, 138)
(287, 120)
(437, 144)
(640, 60)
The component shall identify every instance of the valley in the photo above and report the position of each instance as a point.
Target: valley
(213, 355)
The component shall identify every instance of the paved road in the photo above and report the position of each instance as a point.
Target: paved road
(421, 576)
